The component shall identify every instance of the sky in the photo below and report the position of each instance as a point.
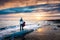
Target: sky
(37, 12)
(19, 3)
(12, 10)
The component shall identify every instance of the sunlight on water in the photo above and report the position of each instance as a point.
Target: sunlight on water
(8, 23)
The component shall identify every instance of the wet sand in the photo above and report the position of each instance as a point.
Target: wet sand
(44, 33)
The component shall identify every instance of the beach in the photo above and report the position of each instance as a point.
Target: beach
(44, 33)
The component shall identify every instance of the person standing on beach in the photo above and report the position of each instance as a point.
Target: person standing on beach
(22, 24)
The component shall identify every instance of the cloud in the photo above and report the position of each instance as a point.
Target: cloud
(28, 9)
(2, 2)
(15, 10)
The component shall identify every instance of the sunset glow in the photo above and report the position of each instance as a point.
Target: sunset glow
(31, 10)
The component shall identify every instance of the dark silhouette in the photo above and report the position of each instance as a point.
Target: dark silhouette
(22, 24)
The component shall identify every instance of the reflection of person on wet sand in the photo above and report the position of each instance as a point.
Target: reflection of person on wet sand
(22, 24)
